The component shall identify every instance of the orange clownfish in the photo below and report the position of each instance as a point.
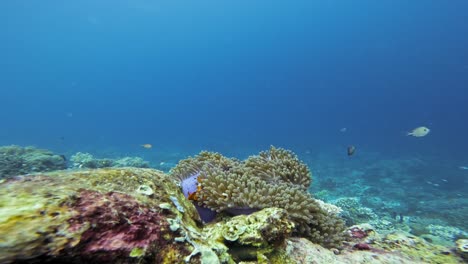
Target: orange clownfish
(192, 196)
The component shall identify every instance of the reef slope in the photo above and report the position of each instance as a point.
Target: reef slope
(135, 215)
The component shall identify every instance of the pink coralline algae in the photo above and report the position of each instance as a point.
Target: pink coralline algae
(362, 246)
(358, 233)
(115, 223)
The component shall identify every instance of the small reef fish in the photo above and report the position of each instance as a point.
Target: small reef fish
(147, 146)
(433, 184)
(463, 168)
(419, 132)
(342, 130)
(351, 150)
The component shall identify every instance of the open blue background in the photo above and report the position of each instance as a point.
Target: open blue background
(222, 75)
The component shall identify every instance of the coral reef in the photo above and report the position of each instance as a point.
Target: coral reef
(415, 248)
(16, 160)
(126, 215)
(442, 234)
(353, 211)
(136, 162)
(274, 178)
(86, 160)
(134, 215)
(259, 236)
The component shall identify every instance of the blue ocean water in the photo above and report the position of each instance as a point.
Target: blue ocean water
(238, 76)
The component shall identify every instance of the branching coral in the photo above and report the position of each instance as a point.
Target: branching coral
(275, 178)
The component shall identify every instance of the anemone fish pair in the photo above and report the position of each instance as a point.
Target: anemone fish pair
(190, 186)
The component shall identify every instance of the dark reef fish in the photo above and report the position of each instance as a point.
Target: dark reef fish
(351, 150)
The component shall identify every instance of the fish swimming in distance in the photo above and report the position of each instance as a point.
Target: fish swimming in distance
(419, 132)
(351, 150)
(147, 146)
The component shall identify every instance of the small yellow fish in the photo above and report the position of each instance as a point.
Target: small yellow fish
(147, 146)
(419, 132)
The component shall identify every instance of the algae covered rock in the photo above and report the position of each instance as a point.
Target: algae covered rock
(462, 248)
(92, 215)
(16, 160)
(126, 215)
(259, 236)
(416, 248)
(301, 250)
(368, 246)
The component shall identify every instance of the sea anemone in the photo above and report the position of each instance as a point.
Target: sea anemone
(274, 178)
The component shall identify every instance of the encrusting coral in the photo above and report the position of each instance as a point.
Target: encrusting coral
(275, 178)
